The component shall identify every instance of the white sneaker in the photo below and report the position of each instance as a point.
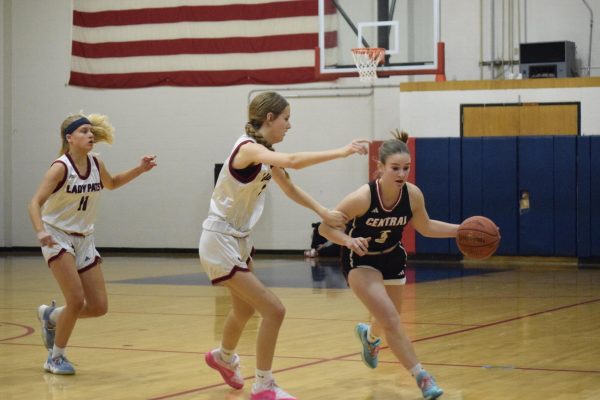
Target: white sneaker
(270, 392)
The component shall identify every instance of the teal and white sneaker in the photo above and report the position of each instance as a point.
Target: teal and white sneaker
(59, 365)
(428, 387)
(370, 350)
(48, 329)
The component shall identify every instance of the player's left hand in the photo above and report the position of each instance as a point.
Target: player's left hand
(359, 245)
(148, 162)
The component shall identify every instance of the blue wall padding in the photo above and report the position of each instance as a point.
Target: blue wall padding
(455, 186)
(583, 196)
(462, 177)
(489, 185)
(536, 165)
(499, 188)
(595, 197)
(432, 178)
(472, 175)
(565, 196)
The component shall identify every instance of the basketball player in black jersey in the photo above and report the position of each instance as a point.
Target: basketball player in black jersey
(374, 260)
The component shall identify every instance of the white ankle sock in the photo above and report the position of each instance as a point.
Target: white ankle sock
(416, 370)
(54, 315)
(263, 378)
(372, 338)
(57, 351)
(226, 354)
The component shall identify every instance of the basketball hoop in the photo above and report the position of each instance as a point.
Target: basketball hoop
(367, 59)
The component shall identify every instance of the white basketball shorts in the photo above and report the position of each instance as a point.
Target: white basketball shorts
(80, 247)
(223, 255)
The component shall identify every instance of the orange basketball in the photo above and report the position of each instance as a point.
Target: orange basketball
(478, 237)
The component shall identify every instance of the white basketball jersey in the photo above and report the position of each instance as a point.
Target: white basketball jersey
(73, 205)
(239, 196)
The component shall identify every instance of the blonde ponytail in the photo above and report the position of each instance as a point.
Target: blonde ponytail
(103, 131)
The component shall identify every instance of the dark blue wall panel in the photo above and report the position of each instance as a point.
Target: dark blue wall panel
(472, 177)
(595, 197)
(583, 196)
(565, 196)
(462, 177)
(536, 176)
(455, 186)
(432, 178)
(489, 185)
(499, 186)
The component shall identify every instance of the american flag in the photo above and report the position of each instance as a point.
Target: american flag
(141, 43)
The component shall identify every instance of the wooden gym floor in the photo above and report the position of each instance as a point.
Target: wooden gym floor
(501, 329)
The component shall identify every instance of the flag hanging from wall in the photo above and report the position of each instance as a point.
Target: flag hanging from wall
(142, 43)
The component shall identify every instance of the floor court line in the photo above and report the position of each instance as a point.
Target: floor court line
(482, 326)
(28, 331)
(578, 371)
(508, 320)
(224, 315)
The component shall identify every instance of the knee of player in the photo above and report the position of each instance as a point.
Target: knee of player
(75, 301)
(99, 309)
(276, 312)
(391, 323)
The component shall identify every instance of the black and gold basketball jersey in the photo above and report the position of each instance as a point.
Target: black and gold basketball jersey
(383, 226)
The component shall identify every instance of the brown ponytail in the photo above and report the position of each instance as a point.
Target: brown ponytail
(395, 145)
(259, 108)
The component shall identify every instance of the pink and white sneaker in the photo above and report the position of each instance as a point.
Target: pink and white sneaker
(229, 371)
(270, 392)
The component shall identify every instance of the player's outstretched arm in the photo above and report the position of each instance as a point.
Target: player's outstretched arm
(254, 153)
(114, 181)
(298, 195)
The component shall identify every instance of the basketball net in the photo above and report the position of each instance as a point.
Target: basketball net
(367, 59)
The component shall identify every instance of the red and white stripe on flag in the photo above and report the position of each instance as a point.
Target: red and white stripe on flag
(141, 43)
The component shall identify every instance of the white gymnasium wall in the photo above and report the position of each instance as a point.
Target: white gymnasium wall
(467, 31)
(568, 20)
(191, 129)
(468, 39)
(4, 128)
(437, 113)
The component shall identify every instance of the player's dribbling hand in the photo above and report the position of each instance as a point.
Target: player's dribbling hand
(357, 146)
(335, 219)
(359, 245)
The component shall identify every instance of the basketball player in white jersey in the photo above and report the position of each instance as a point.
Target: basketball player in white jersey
(225, 247)
(373, 259)
(63, 212)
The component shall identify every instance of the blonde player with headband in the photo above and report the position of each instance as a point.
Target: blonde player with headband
(225, 247)
(63, 212)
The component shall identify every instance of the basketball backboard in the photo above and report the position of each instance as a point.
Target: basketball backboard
(408, 30)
